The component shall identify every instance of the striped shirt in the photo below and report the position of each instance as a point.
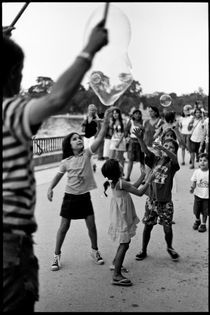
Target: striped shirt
(19, 190)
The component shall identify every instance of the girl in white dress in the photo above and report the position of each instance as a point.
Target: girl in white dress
(123, 218)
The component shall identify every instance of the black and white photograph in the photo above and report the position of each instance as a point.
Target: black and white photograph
(105, 147)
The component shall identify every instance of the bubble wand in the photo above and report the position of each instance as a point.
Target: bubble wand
(106, 12)
(19, 15)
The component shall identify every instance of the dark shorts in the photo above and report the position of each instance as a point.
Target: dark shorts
(200, 206)
(194, 146)
(134, 151)
(76, 206)
(20, 273)
(158, 212)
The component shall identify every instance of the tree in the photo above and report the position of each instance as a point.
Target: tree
(43, 86)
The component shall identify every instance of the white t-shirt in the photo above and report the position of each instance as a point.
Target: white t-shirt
(185, 122)
(198, 131)
(202, 183)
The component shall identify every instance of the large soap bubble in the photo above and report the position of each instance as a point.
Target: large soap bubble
(110, 75)
(165, 100)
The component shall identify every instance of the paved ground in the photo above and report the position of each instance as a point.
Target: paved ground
(160, 285)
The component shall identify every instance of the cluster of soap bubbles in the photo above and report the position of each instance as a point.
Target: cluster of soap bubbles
(110, 75)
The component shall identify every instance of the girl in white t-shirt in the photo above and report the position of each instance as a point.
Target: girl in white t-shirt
(200, 188)
(183, 127)
(196, 126)
(77, 202)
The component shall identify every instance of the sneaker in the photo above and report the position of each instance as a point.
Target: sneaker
(56, 263)
(202, 228)
(196, 224)
(97, 257)
(174, 255)
(141, 256)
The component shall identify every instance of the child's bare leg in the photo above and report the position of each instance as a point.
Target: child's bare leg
(168, 235)
(64, 226)
(118, 260)
(90, 222)
(203, 219)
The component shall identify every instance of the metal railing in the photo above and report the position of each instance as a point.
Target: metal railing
(46, 145)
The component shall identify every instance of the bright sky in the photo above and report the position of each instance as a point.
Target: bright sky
(168, 47)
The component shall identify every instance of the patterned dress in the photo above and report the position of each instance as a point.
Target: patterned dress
(123, 218)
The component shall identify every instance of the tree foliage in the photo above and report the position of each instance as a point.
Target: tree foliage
(131, 98)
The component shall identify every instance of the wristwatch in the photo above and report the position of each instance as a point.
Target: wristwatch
(85, 55)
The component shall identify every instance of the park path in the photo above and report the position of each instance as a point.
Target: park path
(160, 284)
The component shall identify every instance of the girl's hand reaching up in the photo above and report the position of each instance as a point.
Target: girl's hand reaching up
(151, 176)
(138, 132)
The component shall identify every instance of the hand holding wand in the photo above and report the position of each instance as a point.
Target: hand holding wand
(7, 30)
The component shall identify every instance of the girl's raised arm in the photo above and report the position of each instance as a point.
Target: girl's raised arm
(141, 191)
(99, 138)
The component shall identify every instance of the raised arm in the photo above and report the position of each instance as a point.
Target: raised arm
(99, 138)
(141, 191)
(68, 83)
(170, 154)
(140, 179)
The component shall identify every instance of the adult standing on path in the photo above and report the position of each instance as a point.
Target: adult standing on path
(197, 134)
(90, 127)
(151, 125)
(117, 143)
(134, 151)
(21, 119)
(186, 133)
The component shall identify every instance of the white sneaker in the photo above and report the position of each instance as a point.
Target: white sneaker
(97, 257)
(56, 263)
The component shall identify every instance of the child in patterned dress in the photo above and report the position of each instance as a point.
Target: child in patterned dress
(122, 213)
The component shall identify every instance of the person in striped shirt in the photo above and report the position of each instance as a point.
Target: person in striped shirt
(22, 117)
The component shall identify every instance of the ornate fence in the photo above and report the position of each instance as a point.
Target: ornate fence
(46, 145)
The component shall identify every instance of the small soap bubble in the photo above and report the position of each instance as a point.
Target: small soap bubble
(165, 100)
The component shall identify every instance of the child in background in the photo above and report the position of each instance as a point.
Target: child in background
(122, 213)
(159, 202)
(80, 180)
(200, 188)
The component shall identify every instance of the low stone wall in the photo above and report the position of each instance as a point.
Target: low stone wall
(47, 158)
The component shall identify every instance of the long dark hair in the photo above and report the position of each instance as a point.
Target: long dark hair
(66, 145)
(111, 170)
(156, 110)
(120, 119)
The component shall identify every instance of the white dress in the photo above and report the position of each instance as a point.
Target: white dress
(123, 218)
